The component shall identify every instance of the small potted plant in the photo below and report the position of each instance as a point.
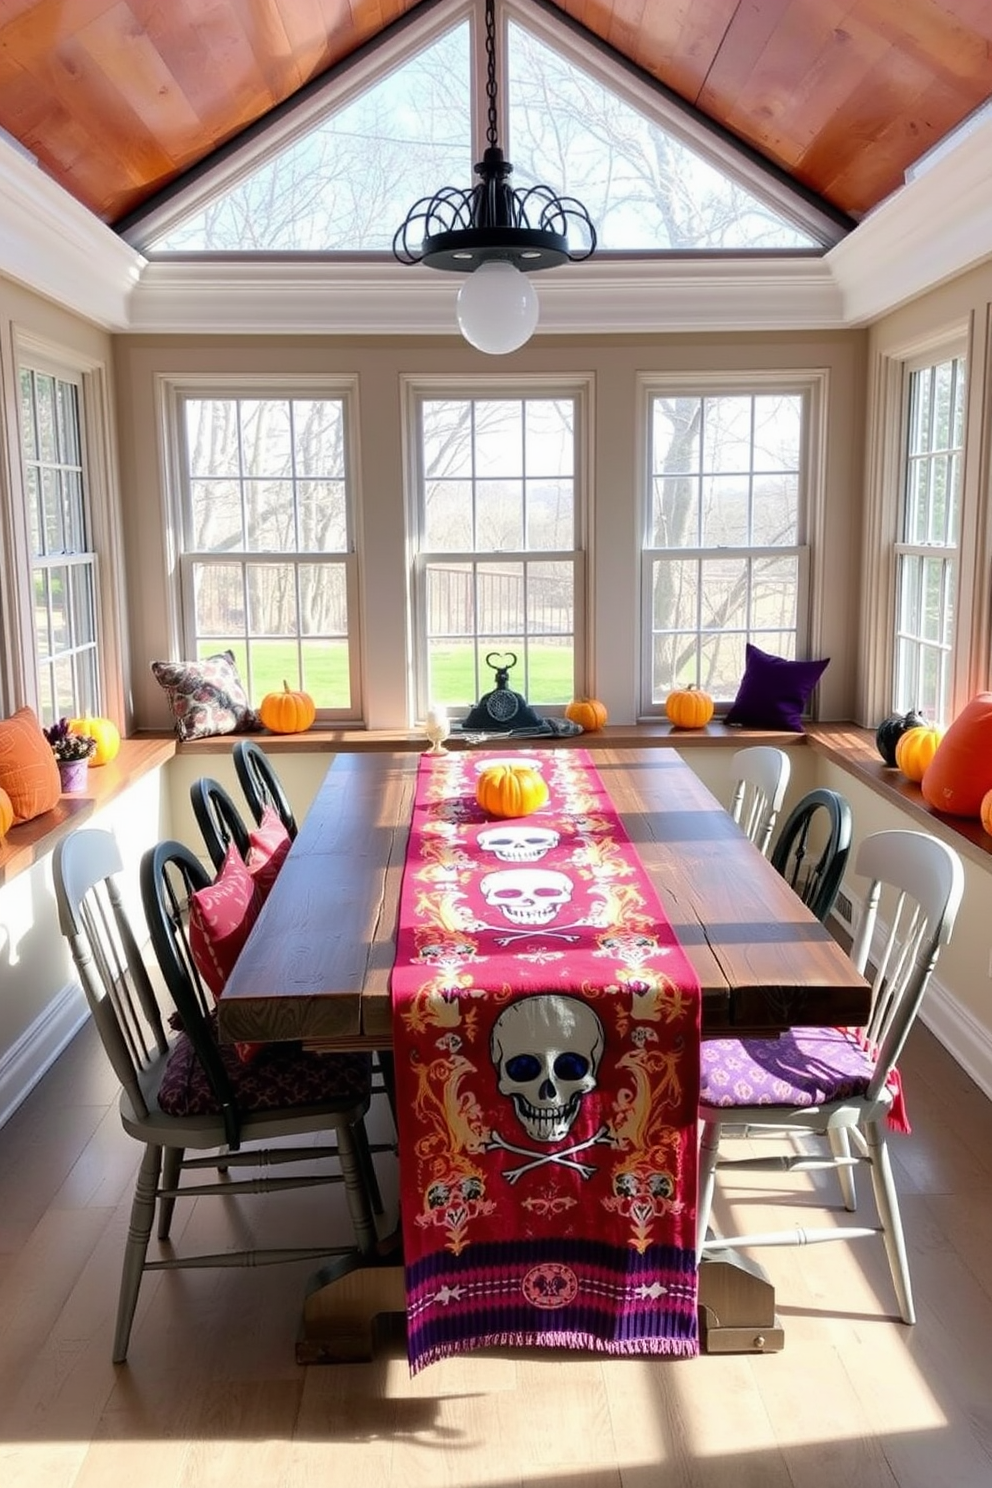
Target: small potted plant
(73, 753)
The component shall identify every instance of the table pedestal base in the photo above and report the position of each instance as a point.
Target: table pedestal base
(736, 1309)
(341, 1307)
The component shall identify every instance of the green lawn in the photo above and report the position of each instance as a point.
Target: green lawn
(452, 676)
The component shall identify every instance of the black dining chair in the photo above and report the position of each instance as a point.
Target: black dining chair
(261, 785)
(813, 846)
(219, 820)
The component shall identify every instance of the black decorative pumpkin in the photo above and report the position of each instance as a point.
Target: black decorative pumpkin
(891, 730)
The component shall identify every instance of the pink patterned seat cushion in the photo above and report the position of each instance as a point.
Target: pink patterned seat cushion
(280, 1077)
(270, 842)
(804, 1067)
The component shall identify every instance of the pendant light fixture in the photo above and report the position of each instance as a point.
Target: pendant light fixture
(495, 235)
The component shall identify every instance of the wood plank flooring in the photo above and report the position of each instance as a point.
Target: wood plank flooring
(211, 1395)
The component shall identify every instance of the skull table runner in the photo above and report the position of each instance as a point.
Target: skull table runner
(546, 1032)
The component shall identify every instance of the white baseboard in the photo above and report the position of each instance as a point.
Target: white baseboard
(39, 1046)
(965, 1039)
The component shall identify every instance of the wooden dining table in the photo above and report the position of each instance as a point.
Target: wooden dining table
(317, 966)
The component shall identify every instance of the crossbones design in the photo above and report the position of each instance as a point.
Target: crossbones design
(564, 1159)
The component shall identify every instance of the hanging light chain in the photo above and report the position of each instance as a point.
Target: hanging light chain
(460, 229)
(491, 71)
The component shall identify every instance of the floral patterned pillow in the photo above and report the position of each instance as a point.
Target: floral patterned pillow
(207, 697)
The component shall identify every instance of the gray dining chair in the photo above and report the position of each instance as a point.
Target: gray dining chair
(182, 1092)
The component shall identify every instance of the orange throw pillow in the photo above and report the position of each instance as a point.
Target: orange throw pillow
(960, 772)
(28, 771)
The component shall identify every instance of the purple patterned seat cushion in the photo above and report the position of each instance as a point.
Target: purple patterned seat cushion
(805, 1067)
(281, 1077)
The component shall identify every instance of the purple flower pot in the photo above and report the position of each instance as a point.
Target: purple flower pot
(73, 774)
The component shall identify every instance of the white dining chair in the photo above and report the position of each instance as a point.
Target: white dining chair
(761, 779)
(827, 1082)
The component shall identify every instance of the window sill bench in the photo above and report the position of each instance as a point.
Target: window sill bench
(844, 744)
(28, 843)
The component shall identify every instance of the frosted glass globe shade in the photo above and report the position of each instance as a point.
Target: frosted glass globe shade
(497, 307)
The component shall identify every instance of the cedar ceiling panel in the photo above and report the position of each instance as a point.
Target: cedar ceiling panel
(118, 98)
(761, 102)
(860, 180)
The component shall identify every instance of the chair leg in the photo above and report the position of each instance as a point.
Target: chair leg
(887, 1203)
(136, 1250)
(356, 1191)
(172, 1164)
(363, 1152)
(387, 1068)
(840, 1146)
(709, 1152)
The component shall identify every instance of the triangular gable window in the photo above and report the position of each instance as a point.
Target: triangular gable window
(347, 180)
(643, 187)
(345, 186)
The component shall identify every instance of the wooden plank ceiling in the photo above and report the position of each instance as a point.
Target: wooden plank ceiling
(117, 98)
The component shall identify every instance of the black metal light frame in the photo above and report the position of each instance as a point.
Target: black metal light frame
(459, 229)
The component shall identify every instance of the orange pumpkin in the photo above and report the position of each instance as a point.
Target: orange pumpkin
(106, 734)
(689, 707)
(916, 748)
(6, 813)
(986, 812)
(511, 790)
(291, 711)
(588, 712)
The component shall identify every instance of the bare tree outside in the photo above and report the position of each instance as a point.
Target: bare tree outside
(266, 485)
(725, 488)
(497, 493)
(347, 185)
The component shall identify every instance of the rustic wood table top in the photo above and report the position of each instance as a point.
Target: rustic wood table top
(316, 966)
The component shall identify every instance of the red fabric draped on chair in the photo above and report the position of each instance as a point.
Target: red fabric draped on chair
(546, 1028)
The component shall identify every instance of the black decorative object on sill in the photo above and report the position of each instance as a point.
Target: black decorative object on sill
(505, 714)
(891, 730)
(496, 235)
(502, 710)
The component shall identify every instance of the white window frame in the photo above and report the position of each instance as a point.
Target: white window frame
(102, 516)
(885, 447)
(811, 385)
(175, 391)
(421, 389)
(904, 696)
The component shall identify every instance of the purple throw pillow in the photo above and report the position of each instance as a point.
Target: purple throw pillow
(774, 692)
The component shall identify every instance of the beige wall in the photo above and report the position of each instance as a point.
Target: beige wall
(613, 366)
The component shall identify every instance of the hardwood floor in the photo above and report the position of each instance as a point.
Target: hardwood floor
(211, 1395)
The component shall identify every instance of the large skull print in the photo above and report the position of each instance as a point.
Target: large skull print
(518, 844)
(546, 1050)
(527, 896)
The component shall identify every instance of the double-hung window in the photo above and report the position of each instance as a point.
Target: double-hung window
(63, 563)
(926, 552)
(725, 555)
(497, 564)
(268, 567)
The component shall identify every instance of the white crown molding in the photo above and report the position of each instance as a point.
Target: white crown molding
(54, 246)
(310, 297)
(935, 227)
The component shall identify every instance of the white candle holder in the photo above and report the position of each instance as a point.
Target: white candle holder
(437, 729)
